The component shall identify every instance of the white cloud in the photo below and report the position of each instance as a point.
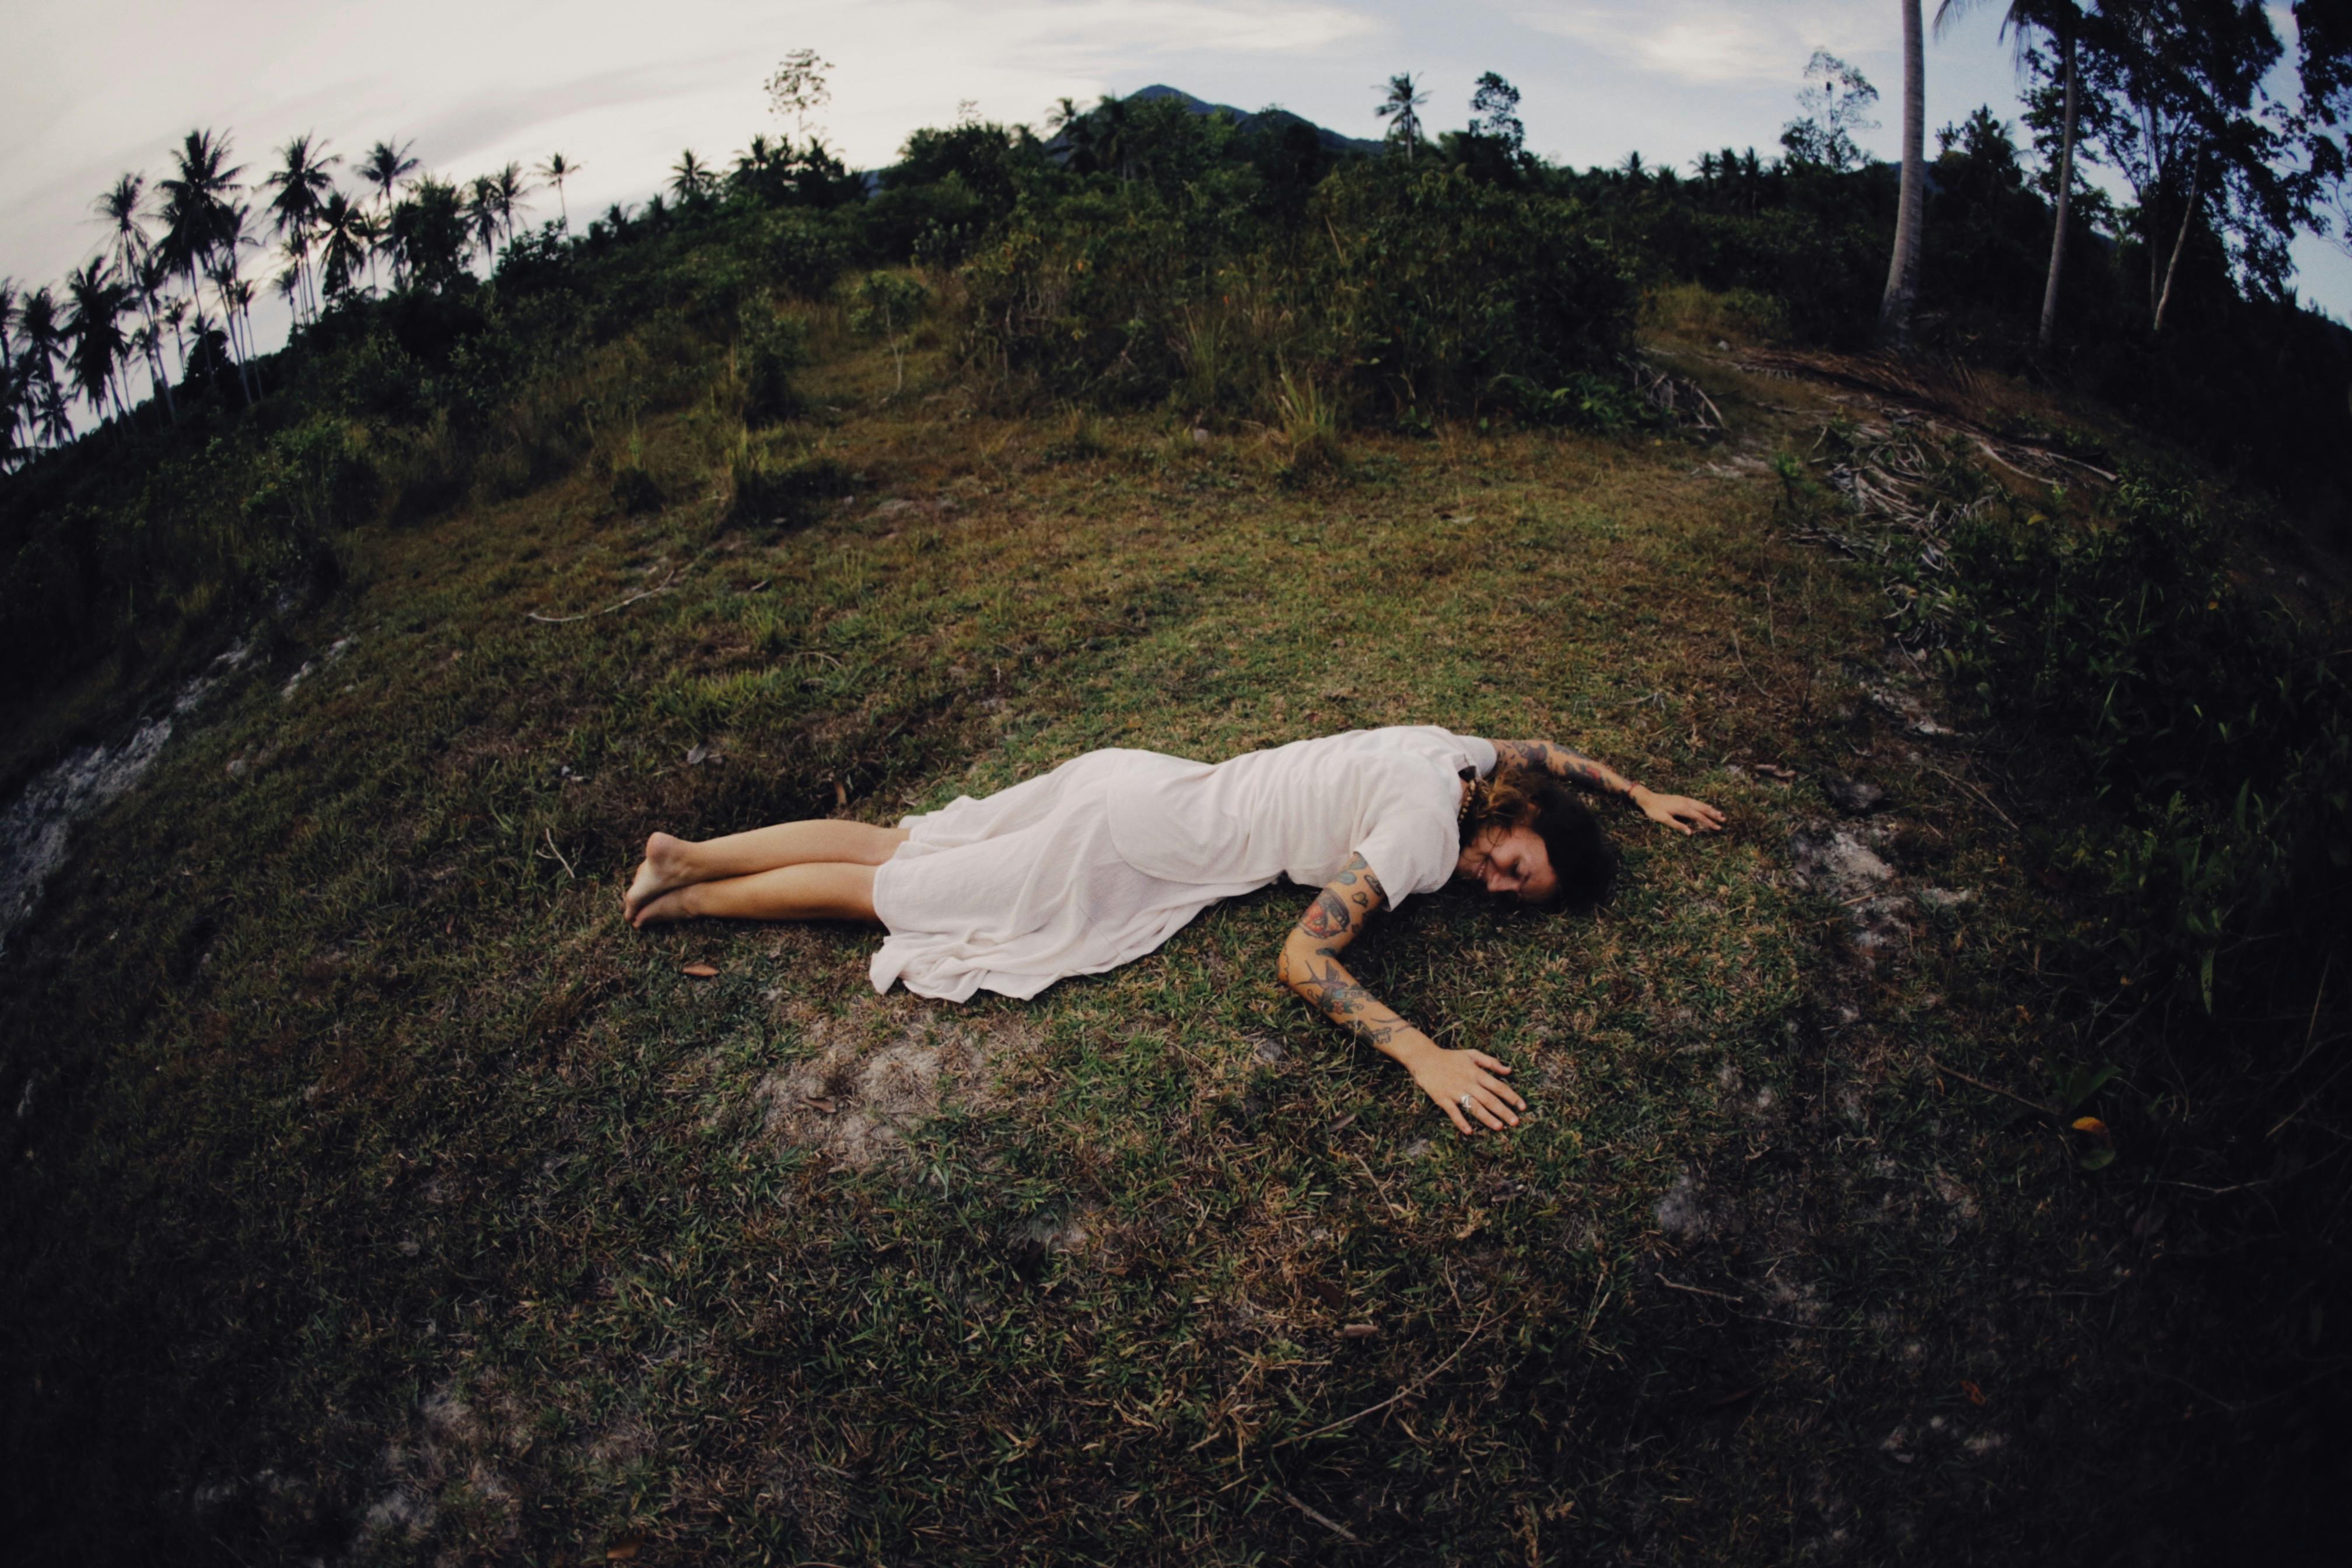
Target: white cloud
(1711, 42)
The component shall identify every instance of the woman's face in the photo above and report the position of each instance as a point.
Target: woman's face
(1512, 863)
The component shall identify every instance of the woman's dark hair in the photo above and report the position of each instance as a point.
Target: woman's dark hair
(1583, 861)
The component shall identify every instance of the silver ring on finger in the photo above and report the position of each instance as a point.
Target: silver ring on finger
(1464, 1101)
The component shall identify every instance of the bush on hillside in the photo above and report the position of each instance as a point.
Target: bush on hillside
(1408, 292)
(2217, 727)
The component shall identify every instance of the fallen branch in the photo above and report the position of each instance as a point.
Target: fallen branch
(1989, 1088)
(1404, 1392)
(1696, 1290)
(645, 594)
(1972, 790)
(1333, 1525)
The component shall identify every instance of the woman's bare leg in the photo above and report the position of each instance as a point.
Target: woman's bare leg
(813, 890)
(671, 862)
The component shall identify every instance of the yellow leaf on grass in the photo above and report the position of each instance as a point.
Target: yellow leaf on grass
(2090, 1124)
(699, 970)
(621, 1551)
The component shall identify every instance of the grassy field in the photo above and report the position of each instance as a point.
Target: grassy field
(377, 1196)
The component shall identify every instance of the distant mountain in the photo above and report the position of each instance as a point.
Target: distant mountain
(1271, 120)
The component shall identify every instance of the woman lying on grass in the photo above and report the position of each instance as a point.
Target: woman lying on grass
(1101, 860)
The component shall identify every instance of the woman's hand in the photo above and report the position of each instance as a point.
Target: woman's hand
(1464, 1083)
(1678, 812)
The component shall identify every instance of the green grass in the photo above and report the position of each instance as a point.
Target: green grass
(383, 1195)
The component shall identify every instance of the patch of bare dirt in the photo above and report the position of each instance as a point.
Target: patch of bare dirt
(865, 1091)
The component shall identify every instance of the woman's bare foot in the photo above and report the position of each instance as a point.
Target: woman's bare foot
(662, 869)
(669, 906)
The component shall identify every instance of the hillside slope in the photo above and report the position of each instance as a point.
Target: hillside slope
(377, 1195)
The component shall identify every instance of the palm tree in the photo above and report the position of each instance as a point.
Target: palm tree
(511, 188)
(92, 333)
(344, 235)
(1403, 110)
(300, 181)
(482, 215)
(37, 368)
(234, 290)
(1911, 211)
(2063, 20)
(196, 206)
(124, 206)
(293, 260)
(11, 388)
(690, 178)
(175, 316)
(385, 167)
(555, 171)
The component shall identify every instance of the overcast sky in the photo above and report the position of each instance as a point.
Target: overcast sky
(91, 88)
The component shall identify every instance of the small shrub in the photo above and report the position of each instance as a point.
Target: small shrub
(772, 347)
(767, 490)
(634, 490)
(1603, 404)
(804, 254)
(1079, 438)
(886, 305)
(1309, 423)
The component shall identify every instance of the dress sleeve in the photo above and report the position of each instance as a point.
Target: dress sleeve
(1414, 840)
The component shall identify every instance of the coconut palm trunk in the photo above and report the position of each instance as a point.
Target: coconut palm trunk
(2180, 242)
(1911, 210)
(2065, 195)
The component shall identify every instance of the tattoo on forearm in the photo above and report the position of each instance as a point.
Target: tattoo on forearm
(1330, 923)
(1348, 1004)
(1562, 763)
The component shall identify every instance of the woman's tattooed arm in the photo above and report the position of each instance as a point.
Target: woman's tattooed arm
(1311, 966)
(1561, 763)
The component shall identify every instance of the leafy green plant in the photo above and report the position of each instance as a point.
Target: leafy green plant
(886, 305)
(770, 348)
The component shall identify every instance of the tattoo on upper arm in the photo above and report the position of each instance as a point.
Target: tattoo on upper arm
(1328, 916)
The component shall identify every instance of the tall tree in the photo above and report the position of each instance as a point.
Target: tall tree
(482, 215)
(2062, 22)
(511, 188)
(1911, 211)
(344, 238)
(798, 87)
(691, 179)
(124, 209)
(427, 235)
(2184, 115)
(1401, 110)
(386, 165)
(1494, 112)
(198, 201)
(38, 333)
(555, 171)
(12, 400)
(296, 186)
(233, 289)
(92, 331)
(1835, 102)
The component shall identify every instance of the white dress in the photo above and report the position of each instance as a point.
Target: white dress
(1098, 862)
